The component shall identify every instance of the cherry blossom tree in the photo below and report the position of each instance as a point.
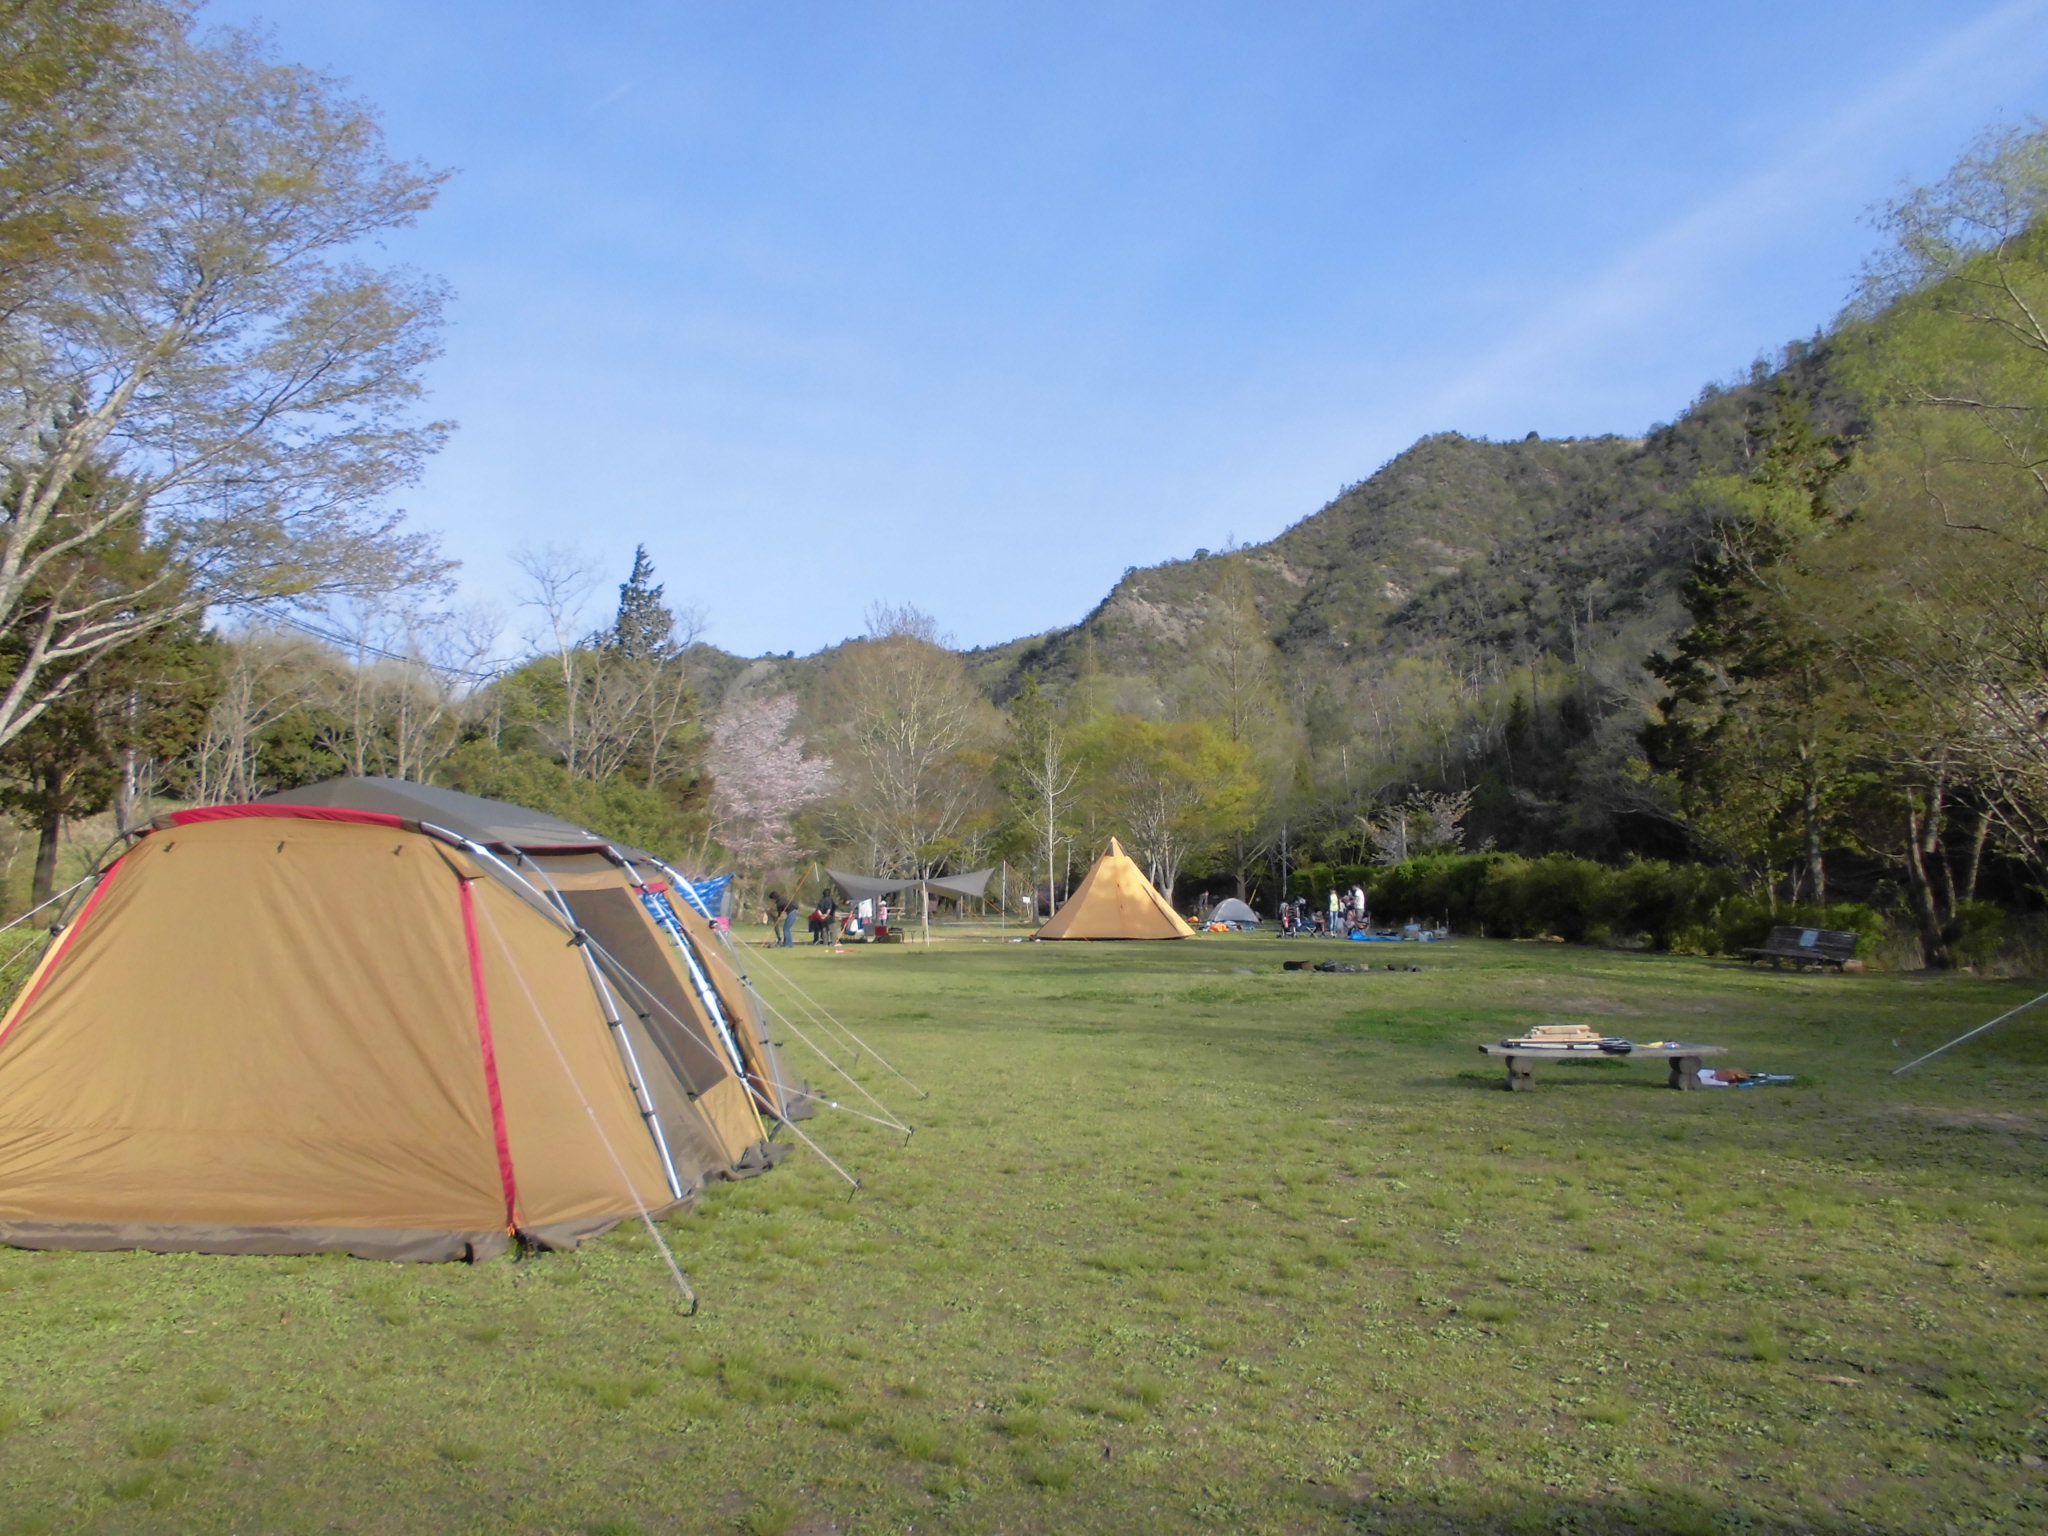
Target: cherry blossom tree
(762, 778)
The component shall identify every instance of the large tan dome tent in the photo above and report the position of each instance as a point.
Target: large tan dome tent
(621, 898)
(1115, 901)
(301, 1027)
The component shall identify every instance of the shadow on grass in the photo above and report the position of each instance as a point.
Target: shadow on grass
(1665, 1512)
(1565, 1079)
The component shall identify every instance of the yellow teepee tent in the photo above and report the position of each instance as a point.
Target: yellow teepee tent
(1115, 901)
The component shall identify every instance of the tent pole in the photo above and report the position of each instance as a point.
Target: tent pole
(643, 1100)
(927, 892)
(665, 919)
(738, 960)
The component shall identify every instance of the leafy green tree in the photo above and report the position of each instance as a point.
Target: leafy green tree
(914, 744)
(620, 699)
(1038, 772)
(147, 700)
(1938, 585)
(67, 68)
(149, 697)
(1753, 730)
(218, 342)
(1177, 791)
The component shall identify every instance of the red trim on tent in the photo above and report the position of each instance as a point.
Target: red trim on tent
(287, 812)
(490, 1055)
(64, 944)
(655, 885)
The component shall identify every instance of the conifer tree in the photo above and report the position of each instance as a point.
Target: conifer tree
(1749, 731)
(644, 628)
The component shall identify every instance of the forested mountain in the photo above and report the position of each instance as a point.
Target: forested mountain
(1473, 615)
(1795, 633)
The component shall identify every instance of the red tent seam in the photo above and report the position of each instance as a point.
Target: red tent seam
(490, 1054)
(64, 945)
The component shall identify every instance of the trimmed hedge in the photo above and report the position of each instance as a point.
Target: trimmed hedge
(1690, 908)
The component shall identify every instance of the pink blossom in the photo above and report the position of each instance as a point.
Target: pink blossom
(761, 779)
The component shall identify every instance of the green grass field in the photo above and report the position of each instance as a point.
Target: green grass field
(1182, 1243)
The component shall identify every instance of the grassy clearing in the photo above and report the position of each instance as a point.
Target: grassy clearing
(1181, 1243)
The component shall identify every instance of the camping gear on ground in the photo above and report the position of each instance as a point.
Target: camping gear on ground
(1569, 1037)
(1339, 967)
(1115, 901)
(1230, 915)
(378, 1018)
(1730, 1077)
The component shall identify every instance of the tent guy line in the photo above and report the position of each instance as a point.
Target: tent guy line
(1972, 1034)
(790, 1024)
(50, 902)
(819, 1010)
(682, 1281)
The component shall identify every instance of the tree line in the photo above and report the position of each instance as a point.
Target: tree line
(1795, 636)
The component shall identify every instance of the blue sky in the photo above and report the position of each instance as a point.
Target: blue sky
(974, 305)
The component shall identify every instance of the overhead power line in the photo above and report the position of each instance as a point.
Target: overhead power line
(364, 647)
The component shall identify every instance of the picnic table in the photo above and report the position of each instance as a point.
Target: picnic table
(1685, 1060)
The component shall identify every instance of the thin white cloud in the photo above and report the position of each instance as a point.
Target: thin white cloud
(1656, 270)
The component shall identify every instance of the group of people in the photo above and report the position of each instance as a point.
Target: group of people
(827, 922)
(1343, 913)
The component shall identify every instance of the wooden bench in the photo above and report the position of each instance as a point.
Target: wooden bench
(1684, 1059)
(1804, 947)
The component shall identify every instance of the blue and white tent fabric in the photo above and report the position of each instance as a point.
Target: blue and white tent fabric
(707, 896)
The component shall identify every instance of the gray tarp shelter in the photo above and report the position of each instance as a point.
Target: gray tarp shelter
(865, 887)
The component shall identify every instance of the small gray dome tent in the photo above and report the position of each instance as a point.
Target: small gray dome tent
(1234, 914)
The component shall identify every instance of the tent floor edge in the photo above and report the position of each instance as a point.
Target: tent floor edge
(404, 1244)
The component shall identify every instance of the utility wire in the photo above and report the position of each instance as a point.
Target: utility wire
(364, 646)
